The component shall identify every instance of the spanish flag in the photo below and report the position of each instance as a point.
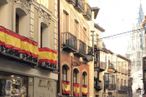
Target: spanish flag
(47, 55)
(2, 35)
(84, 90)
(76, 89)
(12, 40)
(66, 87)
(29, 47)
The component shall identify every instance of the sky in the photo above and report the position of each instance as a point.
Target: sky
(117, 16)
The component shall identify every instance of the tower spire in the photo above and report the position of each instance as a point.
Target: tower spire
(140, 14)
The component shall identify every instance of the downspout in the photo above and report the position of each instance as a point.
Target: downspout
(59, 55)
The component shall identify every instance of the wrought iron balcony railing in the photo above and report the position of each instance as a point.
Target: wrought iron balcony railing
(87, 11)
(103, 65)
(111, 86)
(69, 42)
(89, 55)
(90, 50)
(123, 89)
(97, 84)
(82, 47)
(99, 66)
(111, 69)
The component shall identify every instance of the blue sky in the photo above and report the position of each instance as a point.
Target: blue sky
(117, 16)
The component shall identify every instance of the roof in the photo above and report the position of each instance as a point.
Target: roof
(96, 10)
(123, 57)
(106, 50)
(98, 27)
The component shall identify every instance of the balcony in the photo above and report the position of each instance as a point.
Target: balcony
(82, 48)
(18, 47)
(99, 66)
(73, 2)
(123, 90)
(111, 69)
(79, 5)
(111, 86)
(81, 51)
(47, 59)
(97, 84)
(87, 11)
(96, 67)
(65, 87)
(90, 51)
(69, 42)
(89, 56)
(102, 66)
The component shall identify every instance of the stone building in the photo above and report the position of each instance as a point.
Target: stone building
(111, 74)
(75, 48)
(124, 86)
(28, 48)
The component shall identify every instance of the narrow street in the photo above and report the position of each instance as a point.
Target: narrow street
(72, 48)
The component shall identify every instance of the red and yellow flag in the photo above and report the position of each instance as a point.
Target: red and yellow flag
(76, 89)
(84, 90)
(47, 55)
(65, 87)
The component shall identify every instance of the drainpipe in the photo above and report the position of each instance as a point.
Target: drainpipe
(59, 55)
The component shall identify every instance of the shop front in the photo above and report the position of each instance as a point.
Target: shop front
(18, 79)
(12, 85)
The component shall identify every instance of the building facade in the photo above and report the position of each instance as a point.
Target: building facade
(75, 56)
(123, 68)
(112, 77)
(28, 48)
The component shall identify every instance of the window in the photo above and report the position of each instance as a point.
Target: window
(65, 21)
(106, 77)
(64, 72)
(3, 14)
(13, 85)
(84, 78)
(20, 21)
(43, 35)
(124, 82)
(109, 79)
(76, 27)
(121, 82)
(85, 36)
(118, 84)
(17, 23)
(75, 76)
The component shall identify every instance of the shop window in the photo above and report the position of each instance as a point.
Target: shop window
(65, 72)
(13, 85)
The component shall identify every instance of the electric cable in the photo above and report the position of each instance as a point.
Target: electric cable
(127, 32)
